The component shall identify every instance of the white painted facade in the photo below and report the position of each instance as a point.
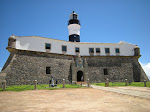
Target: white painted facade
(35, 43)
(74, 29)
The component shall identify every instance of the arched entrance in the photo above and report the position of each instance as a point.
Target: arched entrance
(80, 76)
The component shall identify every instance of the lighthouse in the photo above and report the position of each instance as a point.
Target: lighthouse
(74, 28)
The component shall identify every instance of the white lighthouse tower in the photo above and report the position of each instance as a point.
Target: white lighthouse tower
(74, 28)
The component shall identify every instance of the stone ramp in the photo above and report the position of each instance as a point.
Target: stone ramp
(130, 92)
(2, 78)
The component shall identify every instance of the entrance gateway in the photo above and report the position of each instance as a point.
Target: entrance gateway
(79, 69)
(80, 76)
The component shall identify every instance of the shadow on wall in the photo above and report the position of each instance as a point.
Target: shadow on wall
(22, 45)
(70, 75)
(30, 43)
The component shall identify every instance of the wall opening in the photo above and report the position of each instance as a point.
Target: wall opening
(80, 76)
(48, 70)
(105, 71)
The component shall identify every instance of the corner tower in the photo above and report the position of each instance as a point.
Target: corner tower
(74, 28)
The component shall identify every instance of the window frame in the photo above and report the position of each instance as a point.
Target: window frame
(76, 48)
(118, 49)
(46, 46)
(106, 50)
(99, 50)
(91, 48)
(75, 16)
(62, 48)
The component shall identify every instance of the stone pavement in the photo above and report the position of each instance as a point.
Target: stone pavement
(143, 94)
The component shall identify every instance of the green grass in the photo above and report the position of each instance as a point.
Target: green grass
(136, 84)
(60, 86)
(42, 86)
(139, 84)
(99, 84)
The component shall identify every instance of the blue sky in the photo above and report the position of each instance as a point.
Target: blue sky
(107, 21)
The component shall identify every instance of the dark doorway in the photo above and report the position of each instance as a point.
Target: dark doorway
(80, 76)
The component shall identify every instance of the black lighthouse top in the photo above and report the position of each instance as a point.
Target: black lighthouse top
(73, 19)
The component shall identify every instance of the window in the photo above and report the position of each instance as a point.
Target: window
(117, 50)
(47, 46)
(48, 70)
(91, 50)
(97, 50)
(107, 50)
(105, 71)
(77, 49)
(74, 16)
(64, 48)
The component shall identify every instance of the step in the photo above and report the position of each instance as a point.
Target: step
(79, 83)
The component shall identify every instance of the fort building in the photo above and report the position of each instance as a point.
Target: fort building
(40, 58)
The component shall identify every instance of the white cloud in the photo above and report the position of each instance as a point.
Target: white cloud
(146, 68)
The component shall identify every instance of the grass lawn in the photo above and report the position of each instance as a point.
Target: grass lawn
(137, 84)
(41, 86)
(59, 86)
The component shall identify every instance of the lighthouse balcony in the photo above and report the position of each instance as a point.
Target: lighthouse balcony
(74, 21)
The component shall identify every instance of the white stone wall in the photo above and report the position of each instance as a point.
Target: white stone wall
(35, 43)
